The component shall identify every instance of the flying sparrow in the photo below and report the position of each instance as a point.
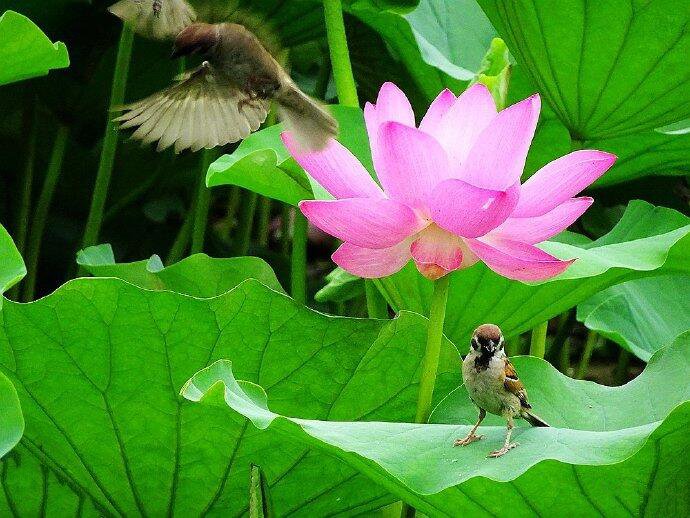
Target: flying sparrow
(494, 386)
(228, 96)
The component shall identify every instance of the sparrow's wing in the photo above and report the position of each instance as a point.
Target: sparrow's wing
(513, 384)
(157, 19)
(203, 110)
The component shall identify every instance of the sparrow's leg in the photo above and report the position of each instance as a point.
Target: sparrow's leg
(471, 437)
(507, 445)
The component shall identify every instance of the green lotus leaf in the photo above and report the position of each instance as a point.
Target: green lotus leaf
(198, 275)
(640, 314)
(599, 437)
(26, 52)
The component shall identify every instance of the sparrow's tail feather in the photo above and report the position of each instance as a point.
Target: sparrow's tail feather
(309, 121)
(534, 419)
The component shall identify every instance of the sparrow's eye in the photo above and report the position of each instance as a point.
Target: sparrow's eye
(475, 343)
(500, 343)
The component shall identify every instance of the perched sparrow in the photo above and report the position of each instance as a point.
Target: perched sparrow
(494, 385)
(157, 19)
(228, 96)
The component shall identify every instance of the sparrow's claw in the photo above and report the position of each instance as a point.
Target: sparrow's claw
(502, 451)
(467, 440)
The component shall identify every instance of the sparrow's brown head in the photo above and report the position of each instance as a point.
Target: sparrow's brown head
(198, 38)
(487, 339)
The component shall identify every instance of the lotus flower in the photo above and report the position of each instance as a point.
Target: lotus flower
(450, 192)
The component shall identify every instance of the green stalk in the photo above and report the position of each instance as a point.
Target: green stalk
(340, 56)
(298, 271)
(620, 374)
(201, 204)
(181, 242)
(285, 224)
(590, 344)
(537, 345)
(105, 167)
(434, 337)
(38, 222)
(427, 382)
(245, 224)
(30, 134)
(264, 222)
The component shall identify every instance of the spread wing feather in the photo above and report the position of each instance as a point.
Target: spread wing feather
(513, 384)
(157, 19)
(203, 110)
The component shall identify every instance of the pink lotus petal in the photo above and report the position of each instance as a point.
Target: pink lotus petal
(370, 263)
(540, 228)
(365, 222)
(497, 158)
(437, 252)
(469, 211)
(411, 164)
(391, 105)
(437, 109)
(560, 180)
(462, 124)
(335, 168)
(518, 261)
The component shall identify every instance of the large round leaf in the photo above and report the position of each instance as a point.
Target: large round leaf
(607, 68)
(593, 427)
(640, 314)
(99, 363)
(26, 52)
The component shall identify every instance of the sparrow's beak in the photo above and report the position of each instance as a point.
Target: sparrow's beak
(490, 346)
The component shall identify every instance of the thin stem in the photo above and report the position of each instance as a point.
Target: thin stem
(27, 180)
(105, 167)
(201, 204)
(340, 57)
(246, 221)
(590, 344)
(264, 222)
(298, 259)
(285, 224)
(537, 345)
(30, 130)
(427, 382)
(620, 374)
(181, 242)
(377, 307)
(434, 338)
(38, 222)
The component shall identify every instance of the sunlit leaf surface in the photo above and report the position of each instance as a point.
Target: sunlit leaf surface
(25, 51)
(598, 437)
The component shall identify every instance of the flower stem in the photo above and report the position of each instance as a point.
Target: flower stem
(245, 224)
(377, 307)
(181, 242)
(620, 374)
(537, 346)
(201, 204)
(38, 222)
(298, 259)
(434, 338)
(590, 344)
(340, 57)
(105, 167)
(264, 222)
